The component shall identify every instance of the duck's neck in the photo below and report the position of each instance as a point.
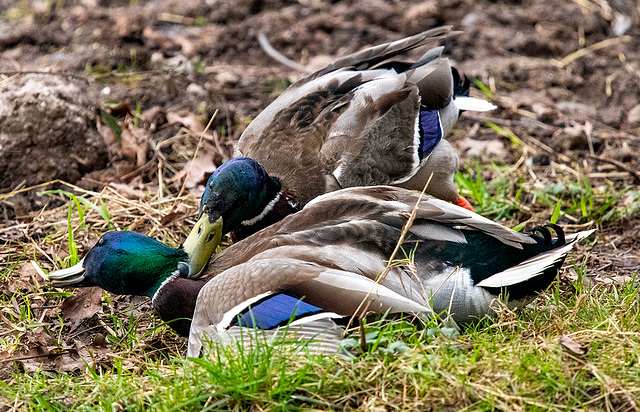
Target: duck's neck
(281, 205)
(175, 302)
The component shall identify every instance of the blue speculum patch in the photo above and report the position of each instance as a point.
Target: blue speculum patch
(430, 131)
(275, 310)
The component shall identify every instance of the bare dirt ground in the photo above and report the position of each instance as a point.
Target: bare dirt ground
(565, 75)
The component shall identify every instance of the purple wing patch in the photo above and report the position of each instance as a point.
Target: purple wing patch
(430, 131)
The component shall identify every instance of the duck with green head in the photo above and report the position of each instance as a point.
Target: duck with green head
(329, 261)
(130, 263)
(363, 120)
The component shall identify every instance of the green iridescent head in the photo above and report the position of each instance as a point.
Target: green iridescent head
(126, 263)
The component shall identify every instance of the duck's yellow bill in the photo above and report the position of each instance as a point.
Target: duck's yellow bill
(201, 243)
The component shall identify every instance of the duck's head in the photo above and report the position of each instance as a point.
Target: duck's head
(126, 263)
(239, 192)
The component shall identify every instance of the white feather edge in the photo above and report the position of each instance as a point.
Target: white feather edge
(534, 266)
(417, 163)
(239, 308)
(473, 104)
(384, 83)
(236, 310)
(506, 235)
(320, 335)
(457, 213)
(201, 329)
(343, 280)
(314, 318)
(309, 328)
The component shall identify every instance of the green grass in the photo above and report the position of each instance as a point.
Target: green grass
(512, 362)
(82, 205)
(507, 192)
(9, 266)
(497, 198)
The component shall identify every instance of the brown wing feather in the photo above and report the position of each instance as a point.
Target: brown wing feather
(290, 146)
(330, 120)
(377, 145)
(369, 57)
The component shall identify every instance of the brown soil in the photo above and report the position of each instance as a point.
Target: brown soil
(48, 130)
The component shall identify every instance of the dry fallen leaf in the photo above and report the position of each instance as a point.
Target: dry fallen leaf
(83, 305)
(25, 282)
(190, 121)
(127, 190)
(572, 345)
(135, 142)
(196, 173)
(176, 214)
(154, 117)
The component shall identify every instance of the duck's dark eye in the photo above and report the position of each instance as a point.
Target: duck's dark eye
(100, 242)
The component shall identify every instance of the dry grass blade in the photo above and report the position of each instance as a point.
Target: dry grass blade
(195, 153)
(359, 312)
(590, 49)
(620, 165)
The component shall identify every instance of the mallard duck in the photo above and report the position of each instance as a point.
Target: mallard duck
(330, 260)
(361, 121)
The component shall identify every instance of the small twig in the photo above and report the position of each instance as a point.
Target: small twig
(279, 57)
(216, 140)
(22, 358)
(138, 170)
(176, 19)
(620, 165)
(26, 189)
(104, 325)
(363, 339)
